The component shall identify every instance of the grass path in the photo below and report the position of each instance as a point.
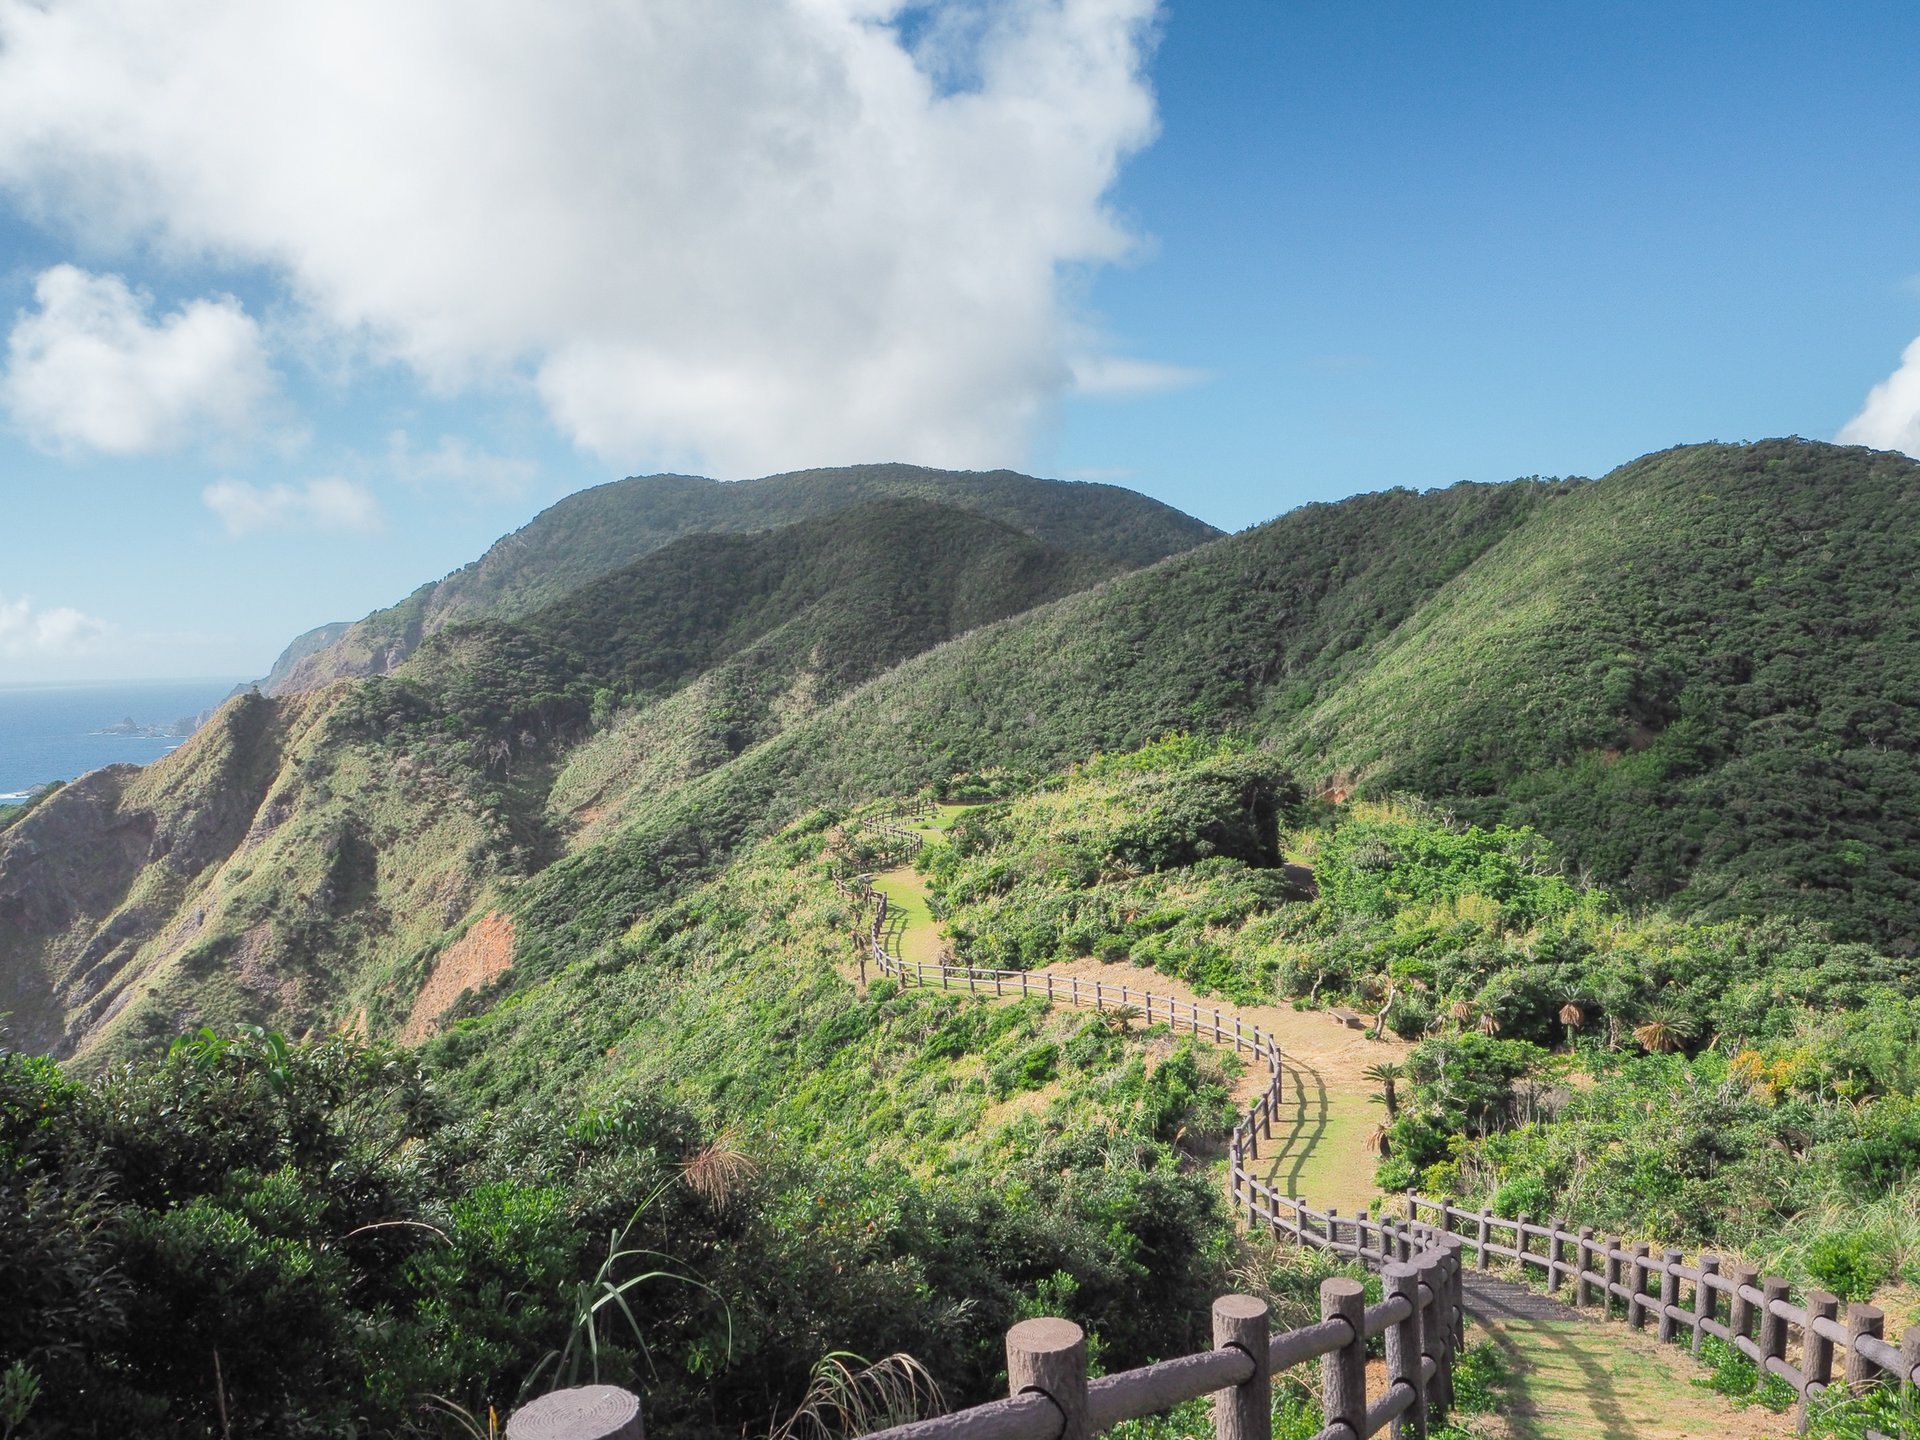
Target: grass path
(1574, 1378)
(1579, 1378)
(1319, 1146)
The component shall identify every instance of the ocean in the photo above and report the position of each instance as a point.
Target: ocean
(48, 732)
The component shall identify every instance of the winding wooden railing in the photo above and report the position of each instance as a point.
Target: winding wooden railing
(1760, 1319)
(1422, 1263)
(1422, 1315)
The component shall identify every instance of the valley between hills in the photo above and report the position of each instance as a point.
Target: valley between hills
(488, 950)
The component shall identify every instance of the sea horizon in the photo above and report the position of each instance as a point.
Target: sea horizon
(50, 731)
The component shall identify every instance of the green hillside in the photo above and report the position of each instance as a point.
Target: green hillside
(1689, 675)
(1600, 792)
(304, 858)
(596, 531)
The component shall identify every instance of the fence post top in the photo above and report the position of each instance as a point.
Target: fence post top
(1823, 1300)
(585, 1412)
(1240, 1307)
(1397, 1270)
(1047, 1335)
(1341, 1287)
(1861, 1313)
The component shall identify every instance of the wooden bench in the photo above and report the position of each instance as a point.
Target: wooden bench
(1352, 1019)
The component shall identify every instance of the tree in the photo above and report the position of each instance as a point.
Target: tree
(1387, 1076)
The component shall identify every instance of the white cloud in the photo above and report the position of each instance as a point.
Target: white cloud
(58, 633)
(753, 236)
(477, 474)
(88, 370)
(325, 504)
(1890, 420)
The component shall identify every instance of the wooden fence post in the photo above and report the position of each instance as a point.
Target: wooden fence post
(1436, 1332)
(1740, 1309)
(1670, 1293)
(1404, 1347)
(1246, 1411)
(1614, 1247)
(1773, 1329)
(1556, 1252)
(1459, 1295)
(1866, 1320)
(1050, 1356)
(1333, 1229)
(1705, 1300)
(586, 1412)
(1481, 1239)
(1816, 1353)
(1637, 1286)
(1385, 1240)
(1343, 1372)
(1520, 1242)
(1360, 1238)
(1583, 1262)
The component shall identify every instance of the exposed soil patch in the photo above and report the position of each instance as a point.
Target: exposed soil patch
(482, 954)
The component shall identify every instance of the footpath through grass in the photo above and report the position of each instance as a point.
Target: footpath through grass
(1573, 1378)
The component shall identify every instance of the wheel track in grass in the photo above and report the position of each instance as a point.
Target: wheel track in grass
(1572, 1377)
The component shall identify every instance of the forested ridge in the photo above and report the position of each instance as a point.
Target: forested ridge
(1601, 791)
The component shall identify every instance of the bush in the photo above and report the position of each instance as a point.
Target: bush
(1522, 1195)
(1851, 1266)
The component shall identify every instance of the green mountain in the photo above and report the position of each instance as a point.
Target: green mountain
(596, 531)
(573, 852)
(1689, 674)
(306, 854)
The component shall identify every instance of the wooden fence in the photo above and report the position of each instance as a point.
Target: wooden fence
(1422, 1263)
(1795, 1342)
(1422, 1315)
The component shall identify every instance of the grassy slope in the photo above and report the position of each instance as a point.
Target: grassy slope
(303, 859)
(597, 531)
(1691, 675)
(1687, 674)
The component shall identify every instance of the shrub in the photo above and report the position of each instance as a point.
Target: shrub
(1851, 1266)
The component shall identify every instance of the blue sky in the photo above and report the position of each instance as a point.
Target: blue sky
(279, 352)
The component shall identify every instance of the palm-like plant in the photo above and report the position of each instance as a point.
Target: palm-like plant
(1665, 1031)
(1657, 1035)
(1387, 1076)
(1573, 1017)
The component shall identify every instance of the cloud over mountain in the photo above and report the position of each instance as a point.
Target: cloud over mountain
(1890, 420)
(784, 232)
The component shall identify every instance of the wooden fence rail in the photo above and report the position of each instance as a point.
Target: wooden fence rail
(1683, 1300)
(1422, 1317)
(1421, 1257)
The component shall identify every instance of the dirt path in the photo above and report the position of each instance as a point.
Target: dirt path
(1576, 1377)
(1319, 1148)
